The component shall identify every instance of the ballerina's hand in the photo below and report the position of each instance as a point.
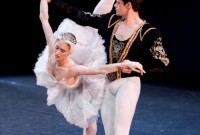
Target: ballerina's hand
(134, 66)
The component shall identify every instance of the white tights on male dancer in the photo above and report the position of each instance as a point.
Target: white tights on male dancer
(119, 105)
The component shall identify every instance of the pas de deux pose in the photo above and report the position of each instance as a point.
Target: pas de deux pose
(127, 36)
(68, 83)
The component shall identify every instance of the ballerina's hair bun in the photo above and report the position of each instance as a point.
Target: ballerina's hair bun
(68, 38)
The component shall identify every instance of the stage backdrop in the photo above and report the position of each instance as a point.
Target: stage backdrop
(176, 19)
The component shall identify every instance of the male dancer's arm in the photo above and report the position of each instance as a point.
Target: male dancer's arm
(104, 7)
(79, 16)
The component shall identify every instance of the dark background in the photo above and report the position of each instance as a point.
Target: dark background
(178, 20)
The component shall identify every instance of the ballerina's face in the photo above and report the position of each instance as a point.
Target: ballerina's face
(62, 51)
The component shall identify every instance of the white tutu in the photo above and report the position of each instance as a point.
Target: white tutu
(81, 102)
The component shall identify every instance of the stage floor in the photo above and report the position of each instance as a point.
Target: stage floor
(163, 109)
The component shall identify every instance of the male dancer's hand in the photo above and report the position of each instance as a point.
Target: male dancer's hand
(130, 66)
(49, 1)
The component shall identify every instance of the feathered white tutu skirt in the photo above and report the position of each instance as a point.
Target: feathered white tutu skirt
(80, 103)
